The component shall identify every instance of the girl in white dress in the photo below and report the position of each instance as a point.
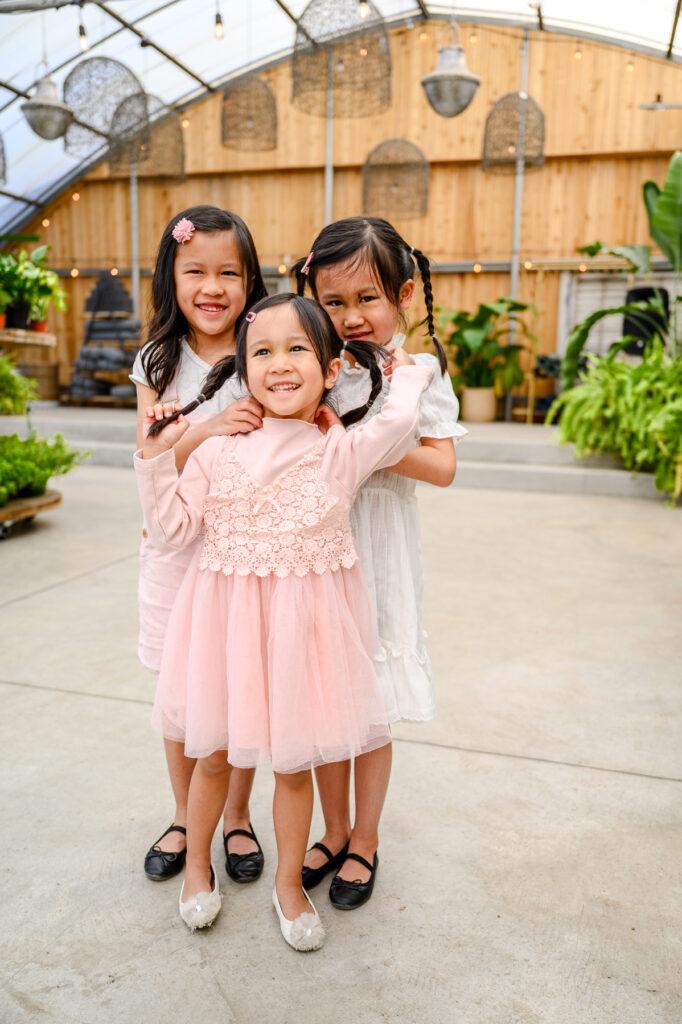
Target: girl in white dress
(362, 273)
(206, 277)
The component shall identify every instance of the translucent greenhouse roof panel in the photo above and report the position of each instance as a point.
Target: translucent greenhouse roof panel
(185, 59)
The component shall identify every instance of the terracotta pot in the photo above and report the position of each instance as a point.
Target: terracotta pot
(3, 318)
(38, 325)
(479, 405)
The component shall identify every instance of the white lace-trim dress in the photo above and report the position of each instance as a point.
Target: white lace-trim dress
(161, 573)
(386, 529)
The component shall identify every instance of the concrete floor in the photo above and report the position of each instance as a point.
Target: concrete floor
(531, 842)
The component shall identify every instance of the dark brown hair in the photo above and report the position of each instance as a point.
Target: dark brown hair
(375, 242)
(325, 341)
(168, 324)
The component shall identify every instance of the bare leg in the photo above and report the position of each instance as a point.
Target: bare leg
(372, 772)
(292, 812)
(207, 795)
(180, 770)
(237, 809)
(333, 784)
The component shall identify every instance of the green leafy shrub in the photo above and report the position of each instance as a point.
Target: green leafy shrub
(26, 466)
(474, 342)
(631, 411)
(15, 391)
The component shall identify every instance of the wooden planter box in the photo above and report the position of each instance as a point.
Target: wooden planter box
(26, 508)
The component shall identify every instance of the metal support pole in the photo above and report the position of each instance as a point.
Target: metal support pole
(518, 199)
(134, 236)
(329, 147)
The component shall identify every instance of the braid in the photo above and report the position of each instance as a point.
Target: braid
(367, 355)
(222, 371)
(300, 277)
(423, 264)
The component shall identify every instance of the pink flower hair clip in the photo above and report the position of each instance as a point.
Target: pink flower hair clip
(305, 269)
(183, 231)
(250, 317)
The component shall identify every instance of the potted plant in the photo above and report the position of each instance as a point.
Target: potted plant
(46, 290)
(30, 286)
(7, 284)
(663, 208)
(485, 366)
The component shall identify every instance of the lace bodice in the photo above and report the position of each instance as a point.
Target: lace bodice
(293, 525)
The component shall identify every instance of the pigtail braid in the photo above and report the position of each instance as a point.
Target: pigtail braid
(423, 264)
(366, 355)
(222, 371)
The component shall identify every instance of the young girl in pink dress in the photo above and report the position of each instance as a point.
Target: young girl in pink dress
(270, 642)
(362, 272)
(206, 276)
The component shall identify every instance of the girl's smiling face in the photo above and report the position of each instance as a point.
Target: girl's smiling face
(282, 366)
(210, 286)
(357, 304)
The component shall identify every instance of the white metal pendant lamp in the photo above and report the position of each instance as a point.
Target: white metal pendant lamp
(450, 88)
(47, 116)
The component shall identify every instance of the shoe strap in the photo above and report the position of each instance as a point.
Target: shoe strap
(325, 850)
(240, 832)
(174, 828)
(361, 860)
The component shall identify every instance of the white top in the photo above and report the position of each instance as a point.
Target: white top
(386, 530)
(162, 573)
(189, 380)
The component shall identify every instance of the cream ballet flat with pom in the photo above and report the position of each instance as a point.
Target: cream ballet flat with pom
(305, 932)
(201, 910)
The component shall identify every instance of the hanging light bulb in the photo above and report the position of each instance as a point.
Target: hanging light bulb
(451, 86)
(363, 10)
(82, 34)
(219, 28)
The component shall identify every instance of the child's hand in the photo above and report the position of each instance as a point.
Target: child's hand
(325, 417)
(153, 446)
(399, 357)
(241, 417)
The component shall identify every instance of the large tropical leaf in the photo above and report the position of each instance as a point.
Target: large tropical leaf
(667, 214)
(578, 336)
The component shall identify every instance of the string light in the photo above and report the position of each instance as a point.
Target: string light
(423, 36)
(82, 34)
(582, 268)
(74, 272)
(528, 265)
(46, 222)
(363, 52)
(282, 268)
(630, 66)
(185, 122)
(477, 268)
(114, 271)
(473, 38)
(578, 55)
(363, 10)
(76, 196)
(219, 28)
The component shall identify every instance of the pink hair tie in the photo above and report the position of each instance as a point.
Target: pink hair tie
(250, 317)
(305, 269)
(183, 231)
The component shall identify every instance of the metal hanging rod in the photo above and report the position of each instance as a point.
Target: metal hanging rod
(674, 29)
(146, 41)
(296, 21)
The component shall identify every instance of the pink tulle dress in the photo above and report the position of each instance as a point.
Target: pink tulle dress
(269, 647)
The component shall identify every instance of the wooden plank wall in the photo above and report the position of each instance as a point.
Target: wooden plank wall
(599, 149)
